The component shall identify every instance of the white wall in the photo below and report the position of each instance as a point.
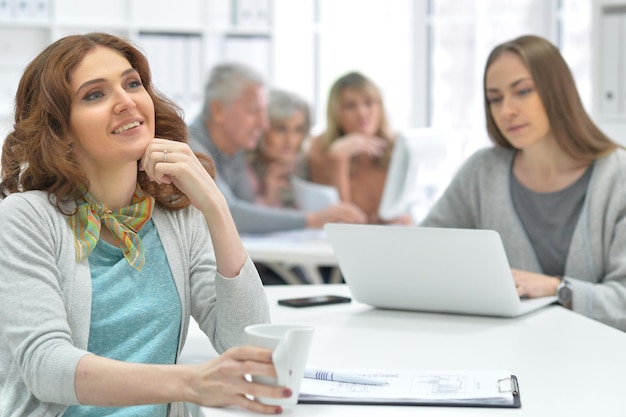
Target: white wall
(312, 42)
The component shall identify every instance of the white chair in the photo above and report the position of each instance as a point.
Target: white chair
(416, 175)
(311, 196)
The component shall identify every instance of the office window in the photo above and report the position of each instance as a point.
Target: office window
(575, 40)
(465, 31)
(427, 56)
(373, 37)
(463, 34)
(317, 41)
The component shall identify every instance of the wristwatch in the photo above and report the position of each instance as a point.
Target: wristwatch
(564, 293)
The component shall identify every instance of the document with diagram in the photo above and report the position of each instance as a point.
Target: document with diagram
(407, 387)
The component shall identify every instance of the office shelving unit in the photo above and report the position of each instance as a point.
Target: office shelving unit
(609, 67)
(182, 39)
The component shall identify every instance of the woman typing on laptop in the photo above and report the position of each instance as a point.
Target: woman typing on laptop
(552, 186)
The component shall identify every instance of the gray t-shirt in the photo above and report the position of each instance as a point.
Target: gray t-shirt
(550, 219)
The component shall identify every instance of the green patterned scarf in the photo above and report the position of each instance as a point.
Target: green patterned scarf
(123, 223)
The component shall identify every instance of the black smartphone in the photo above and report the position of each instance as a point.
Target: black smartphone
(318, 300)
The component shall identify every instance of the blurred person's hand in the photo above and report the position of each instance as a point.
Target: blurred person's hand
(337, 213)
(405, 220)
(354, 144)
(532, 284)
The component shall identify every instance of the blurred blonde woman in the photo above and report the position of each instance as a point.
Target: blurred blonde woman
(353, 152)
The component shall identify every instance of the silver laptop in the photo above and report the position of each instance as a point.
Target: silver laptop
(444, 270)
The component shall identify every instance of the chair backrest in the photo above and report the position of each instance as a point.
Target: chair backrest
(417, 173)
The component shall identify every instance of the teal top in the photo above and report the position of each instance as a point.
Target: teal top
(135, 315)
(45, 313)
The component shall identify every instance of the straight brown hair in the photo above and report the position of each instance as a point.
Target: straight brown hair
(573, 129)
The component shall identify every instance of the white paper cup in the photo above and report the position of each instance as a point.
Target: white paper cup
(290, 344)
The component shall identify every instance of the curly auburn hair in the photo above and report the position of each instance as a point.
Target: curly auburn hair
(36, 154)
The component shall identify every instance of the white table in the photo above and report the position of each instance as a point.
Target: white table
(308, 249)
(567, 364)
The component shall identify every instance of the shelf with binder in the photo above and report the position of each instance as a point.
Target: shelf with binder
(253, 50)
(181, 15)
(609, 67)
(177, 70)
(252, 13)
(24, 10)
(82, 12)
(237, 31)
(25, 24)
(14, 58)
(611, 83)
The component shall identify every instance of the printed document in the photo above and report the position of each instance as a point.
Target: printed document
(415, 387)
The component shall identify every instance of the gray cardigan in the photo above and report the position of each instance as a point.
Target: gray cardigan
(46, 299)
(233, 182)
(479, 197)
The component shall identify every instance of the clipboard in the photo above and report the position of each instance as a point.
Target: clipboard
(502, 391)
